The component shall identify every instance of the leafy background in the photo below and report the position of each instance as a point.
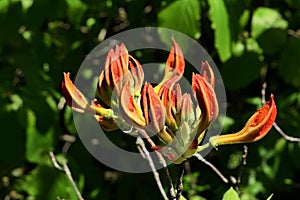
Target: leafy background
(250, 41)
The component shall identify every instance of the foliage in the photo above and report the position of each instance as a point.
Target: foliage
(250, 41)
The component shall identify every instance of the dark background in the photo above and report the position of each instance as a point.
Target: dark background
(250, 41)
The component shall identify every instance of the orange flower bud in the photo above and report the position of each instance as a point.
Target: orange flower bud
(119, 69)
(208, 73)
(77, 101)
(255, 129)
(137, 74)
(129, 109)
(154, 112)
(174, 66)
(207, 101)
(170, 98)
(74, 98)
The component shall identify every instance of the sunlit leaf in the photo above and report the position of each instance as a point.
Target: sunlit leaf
(4, 5)
(182, 16)
(38, 144)
(76, 9)
(220, 23)
(46, 183)
(266, 18)
(231, 194)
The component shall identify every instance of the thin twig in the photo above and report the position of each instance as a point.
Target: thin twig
(69, 175)
(242, 167)
(162, 162)
(275, 125)
(197, 155)
(53, 159)
(282, 133)
(179, 187)
(67, 171)
(141, 143)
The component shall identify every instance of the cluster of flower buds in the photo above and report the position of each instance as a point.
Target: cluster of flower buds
(178, 120)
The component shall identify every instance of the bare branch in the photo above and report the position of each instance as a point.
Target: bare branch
(179, 181)
(69, 175)
(53, 159)
(241, 170)
(197, 155)
(282, 133)
(275, 125)
(162, 161)
(141, 143)
(67, 171)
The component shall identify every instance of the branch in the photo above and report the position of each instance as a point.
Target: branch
(197, 155)
(67, 171)
(162, 161)
(275, 125)
(179, 181)
(142, 148)
(237, 181)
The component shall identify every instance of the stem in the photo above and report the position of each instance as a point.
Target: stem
(67, 171)
(197, 155)
(140, 142)
(162, 161)
(275, 125)
(179, 187)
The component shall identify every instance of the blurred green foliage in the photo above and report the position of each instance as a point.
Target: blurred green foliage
(250, 41)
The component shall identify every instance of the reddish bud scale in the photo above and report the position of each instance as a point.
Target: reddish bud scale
(137, 74)
(255, 129)
(153, 109)
(208, 73)
(174, 66)
(168, 96)
(73, 96)
(207, 101)
(129, 109)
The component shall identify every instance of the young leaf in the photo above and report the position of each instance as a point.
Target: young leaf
(230, 195)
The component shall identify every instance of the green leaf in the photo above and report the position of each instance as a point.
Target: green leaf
(37, 144)
(231, 195)
(272, 40)
(234, 160)
(240, 71)
(26, 4)
(289, 62)
(266, 18)
(220, 23)
(46, 183)
(76, 10)
(4, 6)
(182, 16)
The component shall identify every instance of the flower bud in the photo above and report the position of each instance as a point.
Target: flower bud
(154, 112)
(129, 108)
(174, 66)
(208, 73)
(256, 128)
(207, 101)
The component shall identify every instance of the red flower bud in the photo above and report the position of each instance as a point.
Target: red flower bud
(207, 101)
(256, 128)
